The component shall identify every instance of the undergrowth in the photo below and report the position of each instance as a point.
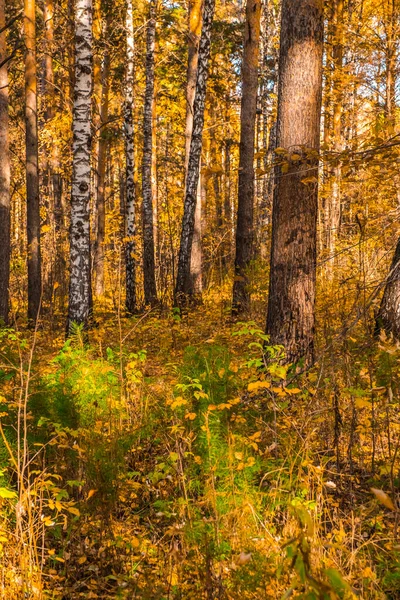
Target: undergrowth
(192, 464)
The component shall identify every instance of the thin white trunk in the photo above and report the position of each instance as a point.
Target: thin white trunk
(80, 296)
(183, 281)
(130, 211)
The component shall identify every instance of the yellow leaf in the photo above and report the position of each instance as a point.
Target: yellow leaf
(135, 542)
(239, 455)
(90, 494)
(256, 385)
(191, 416)
(221, 373)
(292, 391)
(73, 511)
(383, 498)
(82, 560)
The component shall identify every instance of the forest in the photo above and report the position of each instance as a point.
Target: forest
(199, 299)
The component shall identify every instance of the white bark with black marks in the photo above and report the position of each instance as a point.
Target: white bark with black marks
(130, 210)
(80, 296)
(183, 287)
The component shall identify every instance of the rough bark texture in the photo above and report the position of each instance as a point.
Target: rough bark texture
(244, 224)
(32, 164)
(290, 318)
(101, 170)
(184, 287)
(4, 177)
(149, 275)
(80, 282)
(196, 259)
(388, 317)
(130, 209)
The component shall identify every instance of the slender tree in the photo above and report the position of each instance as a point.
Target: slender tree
(195, 14)
(290, 318)
(32, 163)
(80, 296)
(244, 225)
(184, 289)
(101, 166)
(4, 175)
(130, 209)
(149, 275)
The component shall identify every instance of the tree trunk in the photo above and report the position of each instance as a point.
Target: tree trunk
(244, 224)
(101, 169)
(291, 318)
(80, 296)
(184, 287)
(32, 164)
(130, 208)
(5, 246)
(388, 317)
(149, 276)
(337, 96)
(195, 22)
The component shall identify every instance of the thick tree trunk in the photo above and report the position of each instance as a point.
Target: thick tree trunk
(388, 317)
(5, 248)
(130, 207)
(101, 170)
(244, 224)
(184, 287)
(196, 259)
(291, 318)
(32, 164)
(80, 296)
(149, 275)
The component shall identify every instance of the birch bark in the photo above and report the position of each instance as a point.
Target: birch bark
(183, 288)
(80, 296)
(130, 209)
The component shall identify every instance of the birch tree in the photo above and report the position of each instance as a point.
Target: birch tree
(291, 318)
(244, 225)
(149, 275)
(4, 175)
(183, 288)
(80, 296)
(32, 164)
(130, 209)
(195, 14)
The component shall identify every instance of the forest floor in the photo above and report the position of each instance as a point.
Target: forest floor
(175, 457)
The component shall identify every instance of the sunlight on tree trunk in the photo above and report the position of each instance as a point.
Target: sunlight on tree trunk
(80, 296)
(291, 318)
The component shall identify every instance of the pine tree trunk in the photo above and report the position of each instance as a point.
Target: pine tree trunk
(184, 288)
(291, 318)
(32, 164)
(244, 224)
(130, 208)
(101, 170)
(80, 296)
(196, 259)
(149, 276)
(388, 317)
(5, 246)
